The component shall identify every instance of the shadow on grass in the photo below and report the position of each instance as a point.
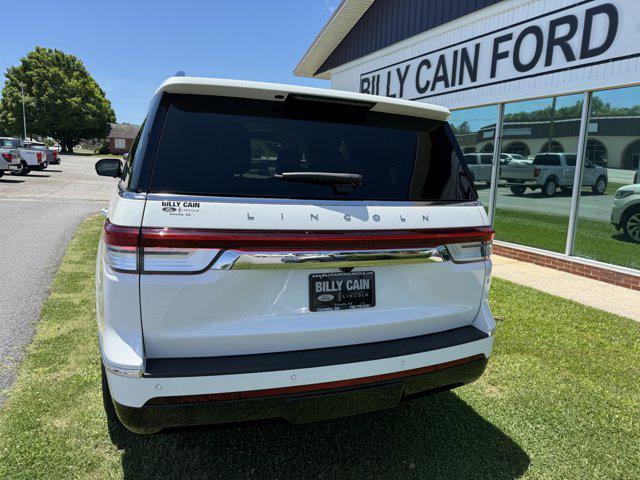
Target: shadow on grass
(437, 436)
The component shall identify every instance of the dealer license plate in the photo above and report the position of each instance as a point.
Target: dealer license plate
(341, 291)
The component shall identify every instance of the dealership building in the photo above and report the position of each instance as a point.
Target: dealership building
(523, 77)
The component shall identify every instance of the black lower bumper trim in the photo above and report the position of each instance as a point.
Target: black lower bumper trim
(300, 408)
(319, 357)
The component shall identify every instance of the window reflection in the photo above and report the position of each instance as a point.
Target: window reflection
(537, 167)
(475, 130)
(609, 224)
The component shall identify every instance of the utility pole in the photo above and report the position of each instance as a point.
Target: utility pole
(24, 117)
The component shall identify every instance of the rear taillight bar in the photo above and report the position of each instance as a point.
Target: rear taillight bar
(257, 240)
(7, 156)
(177, 250)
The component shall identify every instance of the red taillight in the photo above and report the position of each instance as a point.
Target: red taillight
(39, 156)
(177, 250)
(311, 240)
(7, 156)
(121, 244)
(55, 154)
(536, 172)
(118, 236)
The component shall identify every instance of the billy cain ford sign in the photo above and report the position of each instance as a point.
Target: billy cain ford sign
(585, 34)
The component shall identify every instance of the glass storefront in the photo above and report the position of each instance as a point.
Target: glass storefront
(537, 166)
(611, 160)
(475, 130)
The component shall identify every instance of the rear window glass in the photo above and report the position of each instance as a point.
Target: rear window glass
(551, 160)
(235, 147)
(10, 143)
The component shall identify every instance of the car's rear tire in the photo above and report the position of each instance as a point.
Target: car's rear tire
(22, 170)
(631, 225)
(600, 186)
(518, 190)
(550, 186)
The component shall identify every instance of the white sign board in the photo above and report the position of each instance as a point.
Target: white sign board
(580, 37)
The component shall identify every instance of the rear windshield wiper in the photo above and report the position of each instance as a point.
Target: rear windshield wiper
(322, 178)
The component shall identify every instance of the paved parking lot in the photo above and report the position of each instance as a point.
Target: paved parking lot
(39, 214)
(592, 207)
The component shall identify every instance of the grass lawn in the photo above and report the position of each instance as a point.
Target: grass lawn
(560, 399)
(594, 240)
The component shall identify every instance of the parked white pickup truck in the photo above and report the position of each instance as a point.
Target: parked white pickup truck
(9, 154)
(52, 155)
(30, 159)
(550, 171)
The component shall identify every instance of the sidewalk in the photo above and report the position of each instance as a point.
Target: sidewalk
(610, 298)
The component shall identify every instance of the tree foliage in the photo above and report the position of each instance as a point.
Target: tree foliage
(62, 100)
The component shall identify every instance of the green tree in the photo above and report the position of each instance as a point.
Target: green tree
(62, 100)
(461, 129)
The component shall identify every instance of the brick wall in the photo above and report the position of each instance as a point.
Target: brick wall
(577, 268)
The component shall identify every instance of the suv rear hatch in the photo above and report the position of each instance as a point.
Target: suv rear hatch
(258, 235)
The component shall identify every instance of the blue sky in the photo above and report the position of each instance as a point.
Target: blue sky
(131, 46)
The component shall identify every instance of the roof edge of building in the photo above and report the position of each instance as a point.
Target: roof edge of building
(343, 19)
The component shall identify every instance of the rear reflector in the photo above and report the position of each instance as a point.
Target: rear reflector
(7, 156)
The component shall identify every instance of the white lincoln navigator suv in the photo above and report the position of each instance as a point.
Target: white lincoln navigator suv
(292, 252)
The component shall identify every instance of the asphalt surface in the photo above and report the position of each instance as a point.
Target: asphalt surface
(592, 207)
(39, 214)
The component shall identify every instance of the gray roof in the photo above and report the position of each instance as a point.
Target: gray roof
(122, 130)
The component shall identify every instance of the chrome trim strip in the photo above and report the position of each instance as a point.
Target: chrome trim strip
(300, 201)
(240, 260)
(124, 193)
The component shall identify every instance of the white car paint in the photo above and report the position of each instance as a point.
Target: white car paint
(221, 312)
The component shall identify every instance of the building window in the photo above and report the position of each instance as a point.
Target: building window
(613, 153)
(120, 143)
(597, 152)
(517, 148)
(488, 148)
(524, 213)
(552, 147)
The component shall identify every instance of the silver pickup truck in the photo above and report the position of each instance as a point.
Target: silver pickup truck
(550, 171)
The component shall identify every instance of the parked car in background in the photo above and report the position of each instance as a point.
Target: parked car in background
(508, 158)
(335, 275)
(9, 154)
(550, 171)
(30, 159)
(625, 214)
(636, 177)
(52, 154)
(480, 165)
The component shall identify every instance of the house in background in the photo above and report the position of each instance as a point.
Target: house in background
(120, 137)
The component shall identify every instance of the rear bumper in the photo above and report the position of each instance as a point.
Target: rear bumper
(299, 386)
(323, 404)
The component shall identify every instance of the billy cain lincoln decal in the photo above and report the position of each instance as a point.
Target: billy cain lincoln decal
(569, 38)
